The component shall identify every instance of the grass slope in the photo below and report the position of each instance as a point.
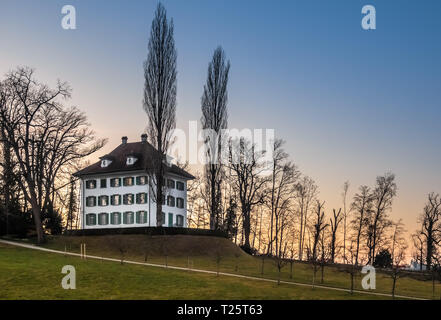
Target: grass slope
(202, 251)
(32, 274)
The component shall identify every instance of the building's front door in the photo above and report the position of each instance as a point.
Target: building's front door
(170, 219)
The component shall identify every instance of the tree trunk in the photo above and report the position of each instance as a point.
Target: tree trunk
(393, 286)
(36, 213)
(247, 229)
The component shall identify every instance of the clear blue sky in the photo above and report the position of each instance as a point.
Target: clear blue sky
(352, 104)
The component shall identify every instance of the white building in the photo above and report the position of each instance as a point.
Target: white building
(115, 191)
(416, 266)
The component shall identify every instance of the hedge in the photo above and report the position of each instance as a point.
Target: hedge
(147, 230)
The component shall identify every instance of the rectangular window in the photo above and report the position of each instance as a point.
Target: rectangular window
(179, 220)
(170, 183)
(128, 218)
(180, 185)
(128, 198)
(91, 201)
(103, 201)
(90, 184)
(103, 183)
(115, 218)
(171, 201)
(115, 200)
(180, 203)
(115, 182)
(163, 218)
(128, 181)
(141, 198)
(91, 219)
(103, 219)
(141, 217)
(170, 219)
(141, 180)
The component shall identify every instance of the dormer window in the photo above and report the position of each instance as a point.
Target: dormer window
(131, 160)
(105, 163)
(168, 160)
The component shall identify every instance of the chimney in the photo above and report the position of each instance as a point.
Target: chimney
(124, 140)
(144, 138)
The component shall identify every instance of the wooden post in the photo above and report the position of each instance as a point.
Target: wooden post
(83, 250)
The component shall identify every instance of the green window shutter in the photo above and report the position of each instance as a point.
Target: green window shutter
(170, 219)
(141, 217)
(112, 220)
(125, 217)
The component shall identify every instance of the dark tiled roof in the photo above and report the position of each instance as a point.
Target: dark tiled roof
(141, 150)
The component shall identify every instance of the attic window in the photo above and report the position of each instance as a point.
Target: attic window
(131, 160)
(105, 163)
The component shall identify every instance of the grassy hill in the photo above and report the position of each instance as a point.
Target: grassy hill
(210, 253)
(31, 274)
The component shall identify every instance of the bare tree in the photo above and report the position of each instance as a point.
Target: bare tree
(72, 206)
(351, 268)
(323, 254)
(419, 249)
(362, 208)
(247, 177)
(44, 136)
(283, 177)
(317, 229)
(431, 226)
(280, 261)
(197, 210)
(345, 216)
(398, 252)
(305, 193)
(214, 120)
(8, 177)
(334, 223)
(160, 99)
(383, 195)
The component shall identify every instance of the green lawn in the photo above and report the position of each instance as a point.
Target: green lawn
(200, 252)
(32, 274)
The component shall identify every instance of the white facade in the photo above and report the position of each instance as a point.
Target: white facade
(174, 216)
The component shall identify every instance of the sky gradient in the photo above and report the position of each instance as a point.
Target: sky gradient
(351, 104)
